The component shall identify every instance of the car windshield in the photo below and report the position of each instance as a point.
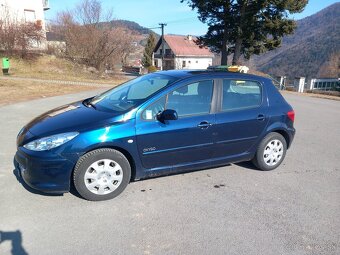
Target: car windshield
(132, 93)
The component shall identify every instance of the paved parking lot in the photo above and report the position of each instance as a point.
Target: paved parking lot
(228, 210)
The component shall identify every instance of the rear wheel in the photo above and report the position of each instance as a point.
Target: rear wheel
(101, 174)
(271, 152)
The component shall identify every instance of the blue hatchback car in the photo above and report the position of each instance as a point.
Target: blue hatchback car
(157, 124)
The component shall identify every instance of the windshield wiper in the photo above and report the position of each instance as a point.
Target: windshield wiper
(89, 103)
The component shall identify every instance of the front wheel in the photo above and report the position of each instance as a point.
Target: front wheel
(101, 174)
(271, 152)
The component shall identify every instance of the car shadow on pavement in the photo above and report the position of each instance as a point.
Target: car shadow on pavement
(74, 192)
(15, 237)
(247, 165)
(28, 188)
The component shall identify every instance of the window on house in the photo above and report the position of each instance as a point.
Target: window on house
(189, 62)
(183, 63)
(167, 51)
(29, 15)
(196, 61)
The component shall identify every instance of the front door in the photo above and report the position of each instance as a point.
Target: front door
(177, 142)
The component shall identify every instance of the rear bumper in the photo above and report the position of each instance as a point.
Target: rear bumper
(48, 173)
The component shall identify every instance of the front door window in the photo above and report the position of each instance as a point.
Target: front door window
(189, 100)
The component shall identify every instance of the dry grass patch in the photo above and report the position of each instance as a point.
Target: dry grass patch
(12, 91)
(54, 68)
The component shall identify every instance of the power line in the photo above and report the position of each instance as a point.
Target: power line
(180, 20)
(175, 21)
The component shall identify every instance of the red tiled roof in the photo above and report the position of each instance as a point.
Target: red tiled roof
(182, 46)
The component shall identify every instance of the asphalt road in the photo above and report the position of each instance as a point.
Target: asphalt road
(229, 210)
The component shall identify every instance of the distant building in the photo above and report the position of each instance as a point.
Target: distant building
(325, 84)
(55, 42)
(181, 52)
(26, 11)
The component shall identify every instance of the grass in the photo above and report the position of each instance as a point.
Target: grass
(12, 91)
(53, 68)
(49, 67)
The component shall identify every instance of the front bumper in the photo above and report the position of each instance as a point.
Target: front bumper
(48, 172)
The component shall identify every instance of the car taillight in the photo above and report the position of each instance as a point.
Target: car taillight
(291, 115)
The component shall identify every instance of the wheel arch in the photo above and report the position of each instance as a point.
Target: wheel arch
(282, 129)
(117, 148)
(285, 135)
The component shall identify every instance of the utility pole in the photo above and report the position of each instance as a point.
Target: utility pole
(162, 27)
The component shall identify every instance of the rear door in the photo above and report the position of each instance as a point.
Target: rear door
(178, 142)
(241, 118)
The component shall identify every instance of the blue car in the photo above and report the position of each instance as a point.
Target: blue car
(157, 124)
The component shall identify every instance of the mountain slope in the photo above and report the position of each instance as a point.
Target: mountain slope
(133, 26)
(141, 33)
(312, 51)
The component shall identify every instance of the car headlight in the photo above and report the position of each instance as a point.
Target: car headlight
(50, 142)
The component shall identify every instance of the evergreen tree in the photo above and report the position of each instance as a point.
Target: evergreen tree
(245, 27)
(149, 47)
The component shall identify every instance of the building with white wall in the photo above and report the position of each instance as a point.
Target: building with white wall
(181, 52)
(325, 84)
(25, 11)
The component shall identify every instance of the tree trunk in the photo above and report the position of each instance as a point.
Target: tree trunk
(237, 52)
(224, 50)
(224, 57)
(239, 40)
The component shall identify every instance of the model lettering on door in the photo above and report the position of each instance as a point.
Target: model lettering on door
(149, 149)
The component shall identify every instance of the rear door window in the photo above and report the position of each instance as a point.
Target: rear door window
(241, 94)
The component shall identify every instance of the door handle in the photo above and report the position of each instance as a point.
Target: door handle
(261, 117)
(204, 124)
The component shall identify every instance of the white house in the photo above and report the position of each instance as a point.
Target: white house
(25, 11)
(181, 52)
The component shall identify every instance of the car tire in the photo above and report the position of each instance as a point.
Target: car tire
(271, 152)
(101, 174)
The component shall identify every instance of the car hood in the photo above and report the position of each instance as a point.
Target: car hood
(75, 117)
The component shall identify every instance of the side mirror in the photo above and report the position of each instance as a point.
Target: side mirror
(167, 114)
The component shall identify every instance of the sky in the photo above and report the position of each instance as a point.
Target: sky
(179, 17)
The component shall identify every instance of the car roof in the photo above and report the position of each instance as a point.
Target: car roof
(182, 74)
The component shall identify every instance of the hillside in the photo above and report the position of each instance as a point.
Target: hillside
(312, 51)
(133, 26)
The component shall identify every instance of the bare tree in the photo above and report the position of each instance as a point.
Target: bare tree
(90, 36)
(17, 35)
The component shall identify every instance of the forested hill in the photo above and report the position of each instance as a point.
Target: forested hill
(313, 50)
(133, 26)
